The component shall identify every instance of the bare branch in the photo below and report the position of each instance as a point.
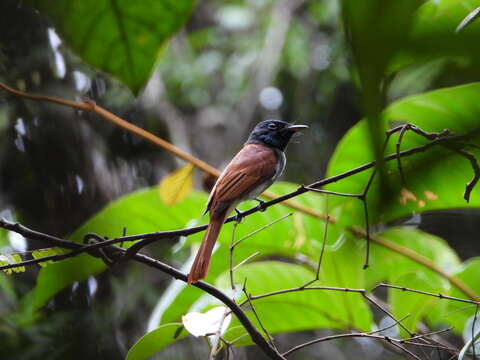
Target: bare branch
(256, 314)
(246, 259)
(302, 288)
(395, 342)
(257, 338)
(325, 236)
(476, 172)
(440, 296)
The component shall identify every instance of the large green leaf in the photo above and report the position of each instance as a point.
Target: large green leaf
(139, 212)
(426, 173)
(388, 266)
(120, 37)
(433, 33)
(302, 310)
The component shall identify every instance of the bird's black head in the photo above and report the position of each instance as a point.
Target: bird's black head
(274, 133)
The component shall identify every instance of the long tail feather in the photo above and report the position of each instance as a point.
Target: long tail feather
(201, 263)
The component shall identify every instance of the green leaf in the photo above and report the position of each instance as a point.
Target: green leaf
(151, 343)
(41, 253)
(454, 108)
(8, 259)
(7, 289)
(433, 33)
(120, 37)
(302, 310)
(59, 275)
(4, 243)
(388, 266)
(177, 185)
(457, 313)
(365, 20)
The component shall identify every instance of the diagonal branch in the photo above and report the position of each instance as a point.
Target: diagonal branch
(89, 105)
(264, 345)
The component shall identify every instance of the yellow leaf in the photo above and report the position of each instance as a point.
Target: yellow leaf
(41, 253)
(8, 259)
(177, 185)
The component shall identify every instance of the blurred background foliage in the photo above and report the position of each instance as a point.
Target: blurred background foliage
(201, 75)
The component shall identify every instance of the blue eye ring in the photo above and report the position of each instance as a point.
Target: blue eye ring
(272, 126)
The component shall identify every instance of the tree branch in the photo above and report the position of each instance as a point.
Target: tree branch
(257, 338)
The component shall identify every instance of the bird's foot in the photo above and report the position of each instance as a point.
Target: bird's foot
(239, 217)
(261, 205)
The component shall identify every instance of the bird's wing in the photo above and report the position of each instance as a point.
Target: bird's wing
(248, 169)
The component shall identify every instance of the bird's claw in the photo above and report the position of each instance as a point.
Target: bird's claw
(239, 217)
(261, 205)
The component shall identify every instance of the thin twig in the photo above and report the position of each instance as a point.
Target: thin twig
(392, 341)
(435, 346)
(327, 192)
(440, 296)
(473, 332)
(91, 106)
(395, 323)
(234, 243)
(260, 229)
(476, 172)
(302, 288)
(232, 240)
(216, 337)
(256, 314)
(245, 260)
(325, 236)
(412, 355)
(399, 160)
(367, 231)
(386, 312)
(420, 336)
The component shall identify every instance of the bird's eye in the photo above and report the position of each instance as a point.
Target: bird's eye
(272, 126)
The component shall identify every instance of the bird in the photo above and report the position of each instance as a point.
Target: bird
(255, 167)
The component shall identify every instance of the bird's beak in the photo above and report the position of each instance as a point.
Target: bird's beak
(296, 128)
